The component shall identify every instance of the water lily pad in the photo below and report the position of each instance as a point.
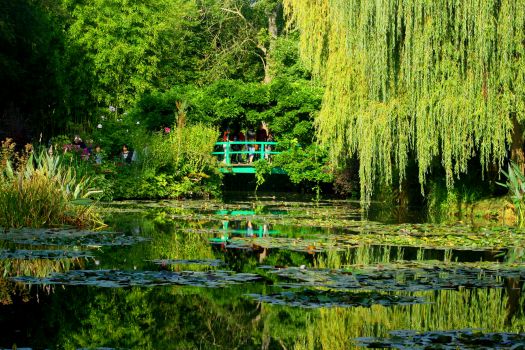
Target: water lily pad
(312, 298)
(457, 339)
(119, 279)
(24, 254)
(293, 244)
(69, 237)
(205, 262)
(397, 278)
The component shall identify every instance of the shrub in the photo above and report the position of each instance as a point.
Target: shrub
(36, 190)
(172, 165)
(516, 187)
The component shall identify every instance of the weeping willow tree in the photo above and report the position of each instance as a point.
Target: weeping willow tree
(439, 80)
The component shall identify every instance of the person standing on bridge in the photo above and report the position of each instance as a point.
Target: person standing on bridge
(261, 136)
(237, 136)
(251, 146)
(268, 148)
(226, 147)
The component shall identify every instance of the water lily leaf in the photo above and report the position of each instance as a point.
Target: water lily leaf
(312, 298)
(119, 279)
(455, 339)
(397, 278)
(69, 237)
(42, 254)
(205, 262)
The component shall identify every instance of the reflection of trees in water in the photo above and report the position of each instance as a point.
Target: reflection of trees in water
(187, 318)
(516, 302)
(168, 240)
(447, 310)
(156, 318)
(30, 267)
(9, 291)
(38, 267)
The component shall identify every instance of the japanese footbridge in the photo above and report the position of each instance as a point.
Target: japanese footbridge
(234, 156)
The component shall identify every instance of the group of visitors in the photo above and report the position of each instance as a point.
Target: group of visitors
(253, 150)
(96, 154)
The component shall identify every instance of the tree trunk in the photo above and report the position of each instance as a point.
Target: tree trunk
(517, 155)
(273, 33)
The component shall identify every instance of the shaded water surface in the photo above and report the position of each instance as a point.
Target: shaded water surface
(262, 273)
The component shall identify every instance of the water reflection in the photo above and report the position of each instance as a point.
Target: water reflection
(198, 236)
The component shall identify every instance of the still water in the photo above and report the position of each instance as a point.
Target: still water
(273, 272)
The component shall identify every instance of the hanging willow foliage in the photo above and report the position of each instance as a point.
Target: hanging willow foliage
(440, 79)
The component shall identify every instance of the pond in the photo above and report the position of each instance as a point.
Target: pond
(273, 272)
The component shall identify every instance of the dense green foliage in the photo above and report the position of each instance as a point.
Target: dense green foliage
(31, 67)
(128, 48)
(37, 190)
(443, 80)
(305, 165)
(287, 106)
(164, 164)
(120, 72)
(63, 62)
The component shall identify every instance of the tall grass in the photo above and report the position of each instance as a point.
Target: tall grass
(36, 190)
(186, 151)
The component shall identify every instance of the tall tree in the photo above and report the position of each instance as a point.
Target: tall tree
(31, 78)
(442, 79)
(133, 46)
(241, 34)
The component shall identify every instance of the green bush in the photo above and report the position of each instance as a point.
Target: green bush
(307, 166)
(172, 165)
(36, 190)
(516, 186)
(287, 105)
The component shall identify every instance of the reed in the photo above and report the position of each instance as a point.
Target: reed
(36, 190)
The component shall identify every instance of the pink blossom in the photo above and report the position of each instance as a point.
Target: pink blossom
(167, 130)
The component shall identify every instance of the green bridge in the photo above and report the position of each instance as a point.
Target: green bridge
(233, 156)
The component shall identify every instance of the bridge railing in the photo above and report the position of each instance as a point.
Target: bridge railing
(230, 149)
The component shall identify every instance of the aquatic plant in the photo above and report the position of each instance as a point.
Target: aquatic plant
(315, 298)
(516, 186)
(69, 237)
(464, 339)
(36, 190)
(122, 279)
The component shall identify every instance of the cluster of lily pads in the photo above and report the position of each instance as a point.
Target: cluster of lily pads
(316, 298)
(457, 339)
(311, 287)
(120, 279)
(25, 254)
(345, 225)
(68, 237)
(205, 262)
(396, 279)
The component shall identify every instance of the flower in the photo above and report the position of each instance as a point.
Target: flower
(112, 109)
(99, 126)
(167, 130)
(103, 117)
(138, 122)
